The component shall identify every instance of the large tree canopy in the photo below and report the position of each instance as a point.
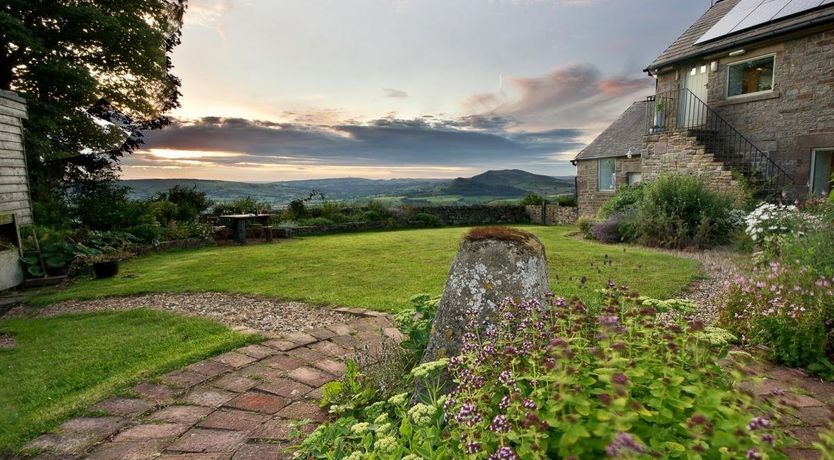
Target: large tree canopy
(95, 73)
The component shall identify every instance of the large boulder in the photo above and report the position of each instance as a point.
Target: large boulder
(492, 264)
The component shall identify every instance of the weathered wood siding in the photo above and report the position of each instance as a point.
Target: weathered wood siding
(14, 187)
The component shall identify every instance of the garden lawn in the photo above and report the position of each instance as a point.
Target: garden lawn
(379, 270)
(63, 364)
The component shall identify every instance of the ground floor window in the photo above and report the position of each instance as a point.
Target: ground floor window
(822, 167)
(606, 174)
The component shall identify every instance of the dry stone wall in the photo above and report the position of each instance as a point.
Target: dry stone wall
(552, 214)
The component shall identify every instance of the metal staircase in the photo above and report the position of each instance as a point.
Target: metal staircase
(683, 111)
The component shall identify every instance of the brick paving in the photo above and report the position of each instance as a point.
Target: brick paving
(248, 403)
(244, 404)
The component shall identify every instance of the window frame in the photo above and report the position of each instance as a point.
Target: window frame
(744, 61)
(812, 170)
(613, 175)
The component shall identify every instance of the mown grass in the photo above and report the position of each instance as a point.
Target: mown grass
(379, 270)
(63, 364)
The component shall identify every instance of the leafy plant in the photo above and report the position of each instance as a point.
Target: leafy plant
(586, 224)
(532, 199)
(627, 198)
(679, 211)
(789, 309)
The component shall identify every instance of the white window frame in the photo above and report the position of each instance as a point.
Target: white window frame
(813, 171)
(727, 79)
(613, 175)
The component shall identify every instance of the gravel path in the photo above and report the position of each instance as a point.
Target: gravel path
(237, 311)
(717, 268)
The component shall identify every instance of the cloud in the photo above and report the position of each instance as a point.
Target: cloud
(395, 93)
(576, 95)
(472, 143)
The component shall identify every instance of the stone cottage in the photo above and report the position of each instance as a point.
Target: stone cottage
(15, 207)
(746, 93)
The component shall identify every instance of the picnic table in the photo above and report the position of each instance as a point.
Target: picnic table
(239, 225)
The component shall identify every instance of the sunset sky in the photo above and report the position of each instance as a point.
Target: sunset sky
(297, 89)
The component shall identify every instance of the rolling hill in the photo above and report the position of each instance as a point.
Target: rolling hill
(483, 188)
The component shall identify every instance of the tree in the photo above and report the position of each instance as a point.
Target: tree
(95, 74)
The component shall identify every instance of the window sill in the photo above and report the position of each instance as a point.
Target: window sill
(751, 98)
(607, 191)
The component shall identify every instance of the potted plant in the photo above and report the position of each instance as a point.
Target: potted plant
(106, 264)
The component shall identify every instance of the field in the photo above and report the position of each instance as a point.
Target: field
(374, 270)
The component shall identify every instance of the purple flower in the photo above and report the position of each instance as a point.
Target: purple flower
(500, 424)
(620, 379)
(505, 403)
(504, 453)
(506, 378)
(753, 454)
(624, 443)
(472, 447)
(758, 423)
(528, 403)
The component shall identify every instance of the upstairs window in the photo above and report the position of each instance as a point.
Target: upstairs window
(605, 179)
(750, 77)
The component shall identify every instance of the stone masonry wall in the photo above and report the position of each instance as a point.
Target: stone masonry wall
(552, 214)
(589, 197)
(793, 119)
(675, 152)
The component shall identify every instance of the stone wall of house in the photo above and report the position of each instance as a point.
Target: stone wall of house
(552, 214)
(589, 197)
(14, 187)
(675, 152)
(793, 119)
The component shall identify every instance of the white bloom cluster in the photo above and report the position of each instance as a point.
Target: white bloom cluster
(771, 219)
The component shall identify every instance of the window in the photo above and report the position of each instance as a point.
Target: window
(822, 166)
(634, 178)
(750, 77)
(605, 180)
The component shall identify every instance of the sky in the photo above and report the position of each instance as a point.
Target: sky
(299, 89)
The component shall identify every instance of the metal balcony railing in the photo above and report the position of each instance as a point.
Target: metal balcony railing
(682, 110)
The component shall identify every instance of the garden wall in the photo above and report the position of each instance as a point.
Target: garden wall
(478, 215)
(552, 214)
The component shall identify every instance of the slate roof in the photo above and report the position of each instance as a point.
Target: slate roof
(625, 133)
(684, 47)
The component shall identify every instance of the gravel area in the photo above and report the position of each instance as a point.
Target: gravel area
(259, 313)
(717, 268)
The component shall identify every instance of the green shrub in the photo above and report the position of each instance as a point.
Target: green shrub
(425, 219)
(246, 205)
(316, 222)
(626, 199)
(190, 202)
(680, 211)
(560, 383)
(568, 201)
(532, 199)
(586, 224)
(788, 309)
(163, 212)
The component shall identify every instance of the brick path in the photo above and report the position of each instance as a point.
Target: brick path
(244, 404)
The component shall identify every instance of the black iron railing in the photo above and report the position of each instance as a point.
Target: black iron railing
(682, 110)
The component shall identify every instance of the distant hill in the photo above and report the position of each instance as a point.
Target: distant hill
(486, 187)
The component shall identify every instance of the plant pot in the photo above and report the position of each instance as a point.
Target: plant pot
(106, 269)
